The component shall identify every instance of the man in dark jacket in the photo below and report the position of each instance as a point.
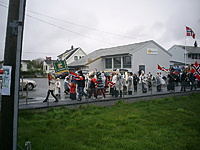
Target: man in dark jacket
(80, 80)
(184, 78)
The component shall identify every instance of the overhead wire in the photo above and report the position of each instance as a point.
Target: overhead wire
(30, 16)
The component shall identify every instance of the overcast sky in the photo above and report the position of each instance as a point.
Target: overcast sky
(52, 26)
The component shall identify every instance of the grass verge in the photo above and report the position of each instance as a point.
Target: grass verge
(167, 123)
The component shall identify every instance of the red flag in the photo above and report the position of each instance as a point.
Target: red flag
(189, 32)
(159, 67)
(162, 68)
(196, 70)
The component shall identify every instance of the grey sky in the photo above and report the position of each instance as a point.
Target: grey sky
(52, 26)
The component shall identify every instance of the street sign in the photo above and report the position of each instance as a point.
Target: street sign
(60, 66)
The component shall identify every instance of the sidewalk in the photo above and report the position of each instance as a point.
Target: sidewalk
(37, 102)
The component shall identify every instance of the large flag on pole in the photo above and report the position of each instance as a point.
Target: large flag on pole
(196, 70)
(189, 32)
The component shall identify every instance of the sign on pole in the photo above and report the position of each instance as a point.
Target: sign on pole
(60, 66)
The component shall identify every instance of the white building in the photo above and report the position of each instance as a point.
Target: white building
(71, 55)
(48, 65)
(178, 55)
(133, 57)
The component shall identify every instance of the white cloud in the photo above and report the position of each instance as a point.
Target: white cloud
(160, 20)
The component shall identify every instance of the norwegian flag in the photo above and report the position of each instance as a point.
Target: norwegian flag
(162, 68)
(196, 70)
(189, 32)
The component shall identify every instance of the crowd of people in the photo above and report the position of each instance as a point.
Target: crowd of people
(95, 84)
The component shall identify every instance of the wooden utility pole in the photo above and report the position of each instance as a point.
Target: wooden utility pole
(10, 86)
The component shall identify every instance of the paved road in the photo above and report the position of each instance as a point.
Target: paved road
(35, 98)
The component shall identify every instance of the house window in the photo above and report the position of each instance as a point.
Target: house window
(75, 57)
(108, 63)
(127, 62)
(117, 62)
(79, 57)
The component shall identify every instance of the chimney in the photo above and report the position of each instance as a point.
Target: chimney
(48, 58)
(195, 44)
(72, 47)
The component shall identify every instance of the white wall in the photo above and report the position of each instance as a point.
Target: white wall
(151, 61)
(177, 54)
(79, 53)
(99, 64)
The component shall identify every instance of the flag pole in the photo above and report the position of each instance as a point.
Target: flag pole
(185, 48)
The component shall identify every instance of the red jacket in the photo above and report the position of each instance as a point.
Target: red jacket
(72, 88)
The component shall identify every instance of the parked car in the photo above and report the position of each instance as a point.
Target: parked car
(27, 83)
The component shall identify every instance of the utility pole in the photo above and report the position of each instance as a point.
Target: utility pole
(10, 78)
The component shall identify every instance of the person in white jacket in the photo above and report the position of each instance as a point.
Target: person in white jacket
(57, 88)
(51, 88)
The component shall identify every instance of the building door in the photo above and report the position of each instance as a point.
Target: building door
(141, 67)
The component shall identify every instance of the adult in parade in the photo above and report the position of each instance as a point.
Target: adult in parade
(158, 82)
(100, 84)
(80, 81)
(143, 80)
(130, 83)
(51, 89)
(135, 82)
(192, 81)
(184, 78)
(172, 79)
(91, 86)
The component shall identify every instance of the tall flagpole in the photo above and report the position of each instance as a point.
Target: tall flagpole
(185, 48)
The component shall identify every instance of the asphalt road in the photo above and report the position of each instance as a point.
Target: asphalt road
(34, 98)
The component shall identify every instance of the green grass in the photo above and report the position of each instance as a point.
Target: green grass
(162, 124)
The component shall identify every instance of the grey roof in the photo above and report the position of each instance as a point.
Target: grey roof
(190, 49)
(69, 52)
(119, 50)
(49, 61)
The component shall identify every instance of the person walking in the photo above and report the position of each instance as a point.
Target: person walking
(80, 80)
(143, 81)
(158, 82)
(91, 87)
(100, 85)
(184, 78)
(130, 83)
(135, 82)
(192, 81)
(57, 88)
(172, 79)
(51, 89)
(66, 87)
(72, 89)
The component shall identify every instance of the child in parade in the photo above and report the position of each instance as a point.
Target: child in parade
(72, 90)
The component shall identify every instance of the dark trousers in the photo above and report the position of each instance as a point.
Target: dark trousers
(81, 92)
(48, 93)
(171, 86)
(72, 96)
(92, 91)
(135, 87)
(183, 85)
(112, 92)
(101, 91)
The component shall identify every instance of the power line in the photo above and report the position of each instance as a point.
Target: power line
(68, 30)
(64, 28)
(80, 25)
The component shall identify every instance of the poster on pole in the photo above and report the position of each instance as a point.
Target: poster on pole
(6, 80)
(60, 66)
